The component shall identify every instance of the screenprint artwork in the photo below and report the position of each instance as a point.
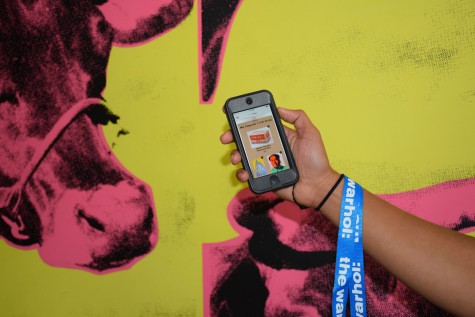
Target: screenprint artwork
(67, 195)
(79, 206)
(282, 263)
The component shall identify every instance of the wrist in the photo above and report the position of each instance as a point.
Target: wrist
(331, 208)
(330, 192)
(323, 187)
(312, 191)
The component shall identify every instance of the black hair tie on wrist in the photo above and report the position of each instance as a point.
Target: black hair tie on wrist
(330, 192)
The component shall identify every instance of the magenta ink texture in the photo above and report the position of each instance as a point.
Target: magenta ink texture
(282, 262)
(80, 208)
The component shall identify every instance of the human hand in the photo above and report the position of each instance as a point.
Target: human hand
(316, 174)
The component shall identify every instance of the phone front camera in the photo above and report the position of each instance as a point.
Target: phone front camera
(249, 100)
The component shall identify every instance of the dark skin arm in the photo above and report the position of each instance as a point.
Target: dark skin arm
(436, 262)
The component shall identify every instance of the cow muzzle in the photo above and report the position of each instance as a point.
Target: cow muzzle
(108, 228)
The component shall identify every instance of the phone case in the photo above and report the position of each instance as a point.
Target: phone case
(261, 136)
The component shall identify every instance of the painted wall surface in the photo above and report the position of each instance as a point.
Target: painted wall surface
(399, 76)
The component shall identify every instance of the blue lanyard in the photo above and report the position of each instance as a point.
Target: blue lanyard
(349, 265)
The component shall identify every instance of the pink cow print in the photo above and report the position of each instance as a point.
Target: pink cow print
(62, 191)
(282, 263)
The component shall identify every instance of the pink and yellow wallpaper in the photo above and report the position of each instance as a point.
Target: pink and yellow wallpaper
(117, 198)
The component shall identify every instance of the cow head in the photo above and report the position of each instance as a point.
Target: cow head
(80, 208)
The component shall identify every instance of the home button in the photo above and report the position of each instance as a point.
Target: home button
(274, 180)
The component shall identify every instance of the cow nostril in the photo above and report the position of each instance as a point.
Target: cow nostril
(93, 222)
(9, 97)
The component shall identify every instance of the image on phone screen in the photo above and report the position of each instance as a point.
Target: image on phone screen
(261, 141)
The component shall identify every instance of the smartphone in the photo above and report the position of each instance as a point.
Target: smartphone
(261, 140)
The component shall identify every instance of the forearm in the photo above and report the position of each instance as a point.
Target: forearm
(436, 262)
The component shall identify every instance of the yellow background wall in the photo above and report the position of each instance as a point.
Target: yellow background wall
(399, 76)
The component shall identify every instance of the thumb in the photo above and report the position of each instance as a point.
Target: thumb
(298, 118)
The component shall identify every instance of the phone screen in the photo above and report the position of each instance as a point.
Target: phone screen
(262, 144)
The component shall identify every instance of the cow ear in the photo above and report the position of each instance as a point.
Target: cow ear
(141, 20)
(17, 227)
